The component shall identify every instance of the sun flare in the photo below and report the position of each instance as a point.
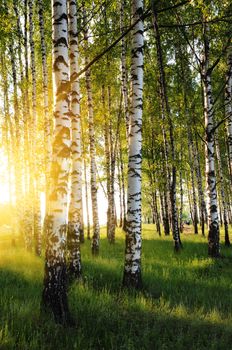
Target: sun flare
(4, 179)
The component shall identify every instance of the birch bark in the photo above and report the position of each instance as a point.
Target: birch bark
(132, 268)
(75, 207)
(54, 295)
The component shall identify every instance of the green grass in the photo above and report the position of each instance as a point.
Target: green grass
(186, 302)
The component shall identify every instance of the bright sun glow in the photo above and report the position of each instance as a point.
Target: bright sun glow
(102, 202)
(4, 179)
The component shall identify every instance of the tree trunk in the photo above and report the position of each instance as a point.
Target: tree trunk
(191, 161)
(222, 191)
(123, 184)
(199, 186)
(55, 280)
(132, 268)
(47, 122)
(213, 236)
(108, 161)
(228, 107)
(166, 115)
(17, 149)
(124, 70)
(75, 206)
(120, 189)
(87, 201)
(181, 197)
(112, 174)
(156, 212)
(96, 227)
(34, 169)
(28, 214)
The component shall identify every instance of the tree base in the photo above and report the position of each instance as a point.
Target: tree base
(73, 274)
(54, 296)
(132, 280)
(178, 246)
(95, 251)
(214, 252)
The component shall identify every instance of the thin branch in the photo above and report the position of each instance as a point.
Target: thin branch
(178, 25)
(190, 45)
(219, 123)
(210, 69)
(104, 191)
(201, 138)
(146, 14)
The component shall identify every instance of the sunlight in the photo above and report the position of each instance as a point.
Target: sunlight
(4, 179)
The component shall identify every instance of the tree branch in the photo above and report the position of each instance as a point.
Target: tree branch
(146, 14)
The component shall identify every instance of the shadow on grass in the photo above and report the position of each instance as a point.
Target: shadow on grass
(172, 312)
(189, 278)
(104, 322)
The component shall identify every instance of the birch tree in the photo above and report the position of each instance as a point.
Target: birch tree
(212, 204)
(47, 123)
(228, 107)
(93, 180)
(75, 207)
(132, 268)
(54, 295)
(34, 176)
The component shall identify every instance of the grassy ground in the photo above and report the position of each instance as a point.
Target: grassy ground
(186, 302)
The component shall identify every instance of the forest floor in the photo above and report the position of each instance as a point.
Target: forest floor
(186, 302)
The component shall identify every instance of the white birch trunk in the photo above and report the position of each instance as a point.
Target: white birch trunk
(47, 122)
(228, 108)
(132, 267)
(201, 197)
(55, 286)
(111, 232)
(75, 208)
(34, 168)
(93, 170)
(222, 191)
(212, 204)
(124, 69)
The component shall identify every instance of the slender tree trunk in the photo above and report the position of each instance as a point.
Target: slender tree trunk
(55, 280)
(123, 184)
(132, 268)
(156, 212)
(166, 115)
(108, 161)
(96, 227)
(28, 214)
(120, 190)
(34, 170)
(112, 174)
(190, 201)
(166, 214)
(75, 207)
(162, 207)
(213, 236)
(17, 148)
(124, 69)
(222, 191)
(228, 107)
(191, 161)
(181, 197)
(87, 201)
(47, 123)
(8, 140)
(199, 186)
